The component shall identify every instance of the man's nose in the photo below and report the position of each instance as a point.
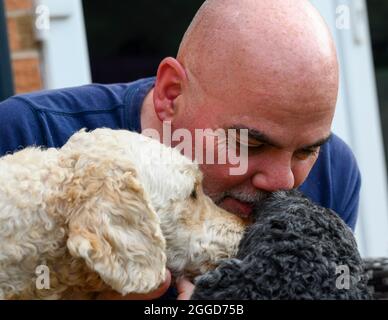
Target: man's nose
(274, 174)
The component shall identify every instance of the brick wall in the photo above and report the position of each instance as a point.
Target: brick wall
(25, 53)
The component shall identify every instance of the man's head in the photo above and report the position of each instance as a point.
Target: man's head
(269, 66)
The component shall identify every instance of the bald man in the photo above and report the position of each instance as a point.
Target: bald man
(266, 66)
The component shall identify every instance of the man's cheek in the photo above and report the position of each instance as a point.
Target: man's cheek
(217, 178)
(301, 172)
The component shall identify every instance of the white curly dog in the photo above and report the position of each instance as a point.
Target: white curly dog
(110, 209)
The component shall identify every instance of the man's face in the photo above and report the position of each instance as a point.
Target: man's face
(286, 131)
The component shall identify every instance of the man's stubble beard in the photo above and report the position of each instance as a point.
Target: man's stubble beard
(245, 197)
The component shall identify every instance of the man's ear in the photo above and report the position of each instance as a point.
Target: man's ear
(169, 81)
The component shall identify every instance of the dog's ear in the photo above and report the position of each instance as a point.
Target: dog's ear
(111, 224)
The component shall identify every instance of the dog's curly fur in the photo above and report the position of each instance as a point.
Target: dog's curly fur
(110, 209)
(290, 252)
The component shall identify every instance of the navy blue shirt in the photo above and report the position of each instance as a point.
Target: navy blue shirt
(49, 118)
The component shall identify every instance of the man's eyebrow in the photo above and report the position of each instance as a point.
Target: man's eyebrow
(257, 135)
(263, 138)
(319, 143)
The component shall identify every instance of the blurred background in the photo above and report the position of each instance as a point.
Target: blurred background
(49, 44)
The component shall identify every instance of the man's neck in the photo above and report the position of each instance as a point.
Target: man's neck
(148, 117)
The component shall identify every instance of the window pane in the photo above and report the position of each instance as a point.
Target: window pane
(128, 39)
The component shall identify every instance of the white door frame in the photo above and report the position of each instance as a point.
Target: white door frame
(61, 29)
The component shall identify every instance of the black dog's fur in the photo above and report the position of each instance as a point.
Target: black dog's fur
(290, 252)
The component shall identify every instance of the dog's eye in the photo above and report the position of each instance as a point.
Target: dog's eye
(193, 195)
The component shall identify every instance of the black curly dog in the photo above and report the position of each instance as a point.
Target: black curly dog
(292, 251)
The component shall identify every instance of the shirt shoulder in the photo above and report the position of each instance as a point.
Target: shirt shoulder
(54, 115)
(19, 126)
(77, 100)
(335, 180)
(48, 117)
(347, 180)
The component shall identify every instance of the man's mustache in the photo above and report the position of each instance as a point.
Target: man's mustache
(252, 199)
